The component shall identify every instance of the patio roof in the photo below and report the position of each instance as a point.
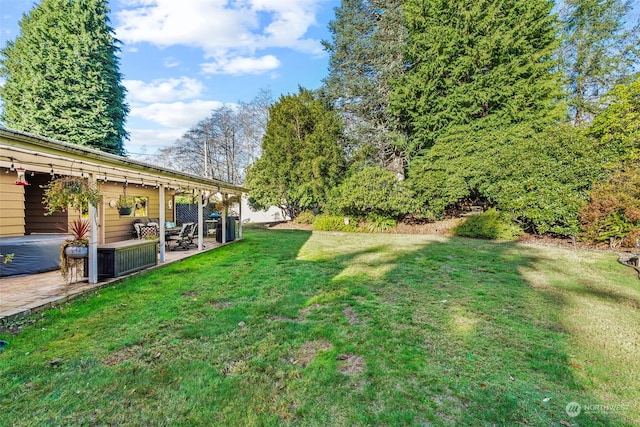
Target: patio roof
(33, 153)
(39, 154)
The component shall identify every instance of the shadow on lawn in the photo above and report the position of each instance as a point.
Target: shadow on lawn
(455, 326)
(437, 331)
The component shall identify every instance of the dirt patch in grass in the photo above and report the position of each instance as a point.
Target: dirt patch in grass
(123, 355)
(190, 294)
(351, 316)
(302, 317)
(221, 305)
(309, 350)
(351, 364)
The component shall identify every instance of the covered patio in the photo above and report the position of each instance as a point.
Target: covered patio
(28, 294)
(28, 163)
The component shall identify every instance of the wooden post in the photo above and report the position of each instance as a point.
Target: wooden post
(240, 216)
(200, 222)
(163, 219)
(224, 219)
(92, 260)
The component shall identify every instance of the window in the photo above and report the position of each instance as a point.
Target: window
(141, 208)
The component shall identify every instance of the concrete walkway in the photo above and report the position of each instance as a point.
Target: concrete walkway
(24, 295)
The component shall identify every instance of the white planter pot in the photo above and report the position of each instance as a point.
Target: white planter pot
(73, 251)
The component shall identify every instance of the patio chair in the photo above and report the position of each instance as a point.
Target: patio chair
(185, 238)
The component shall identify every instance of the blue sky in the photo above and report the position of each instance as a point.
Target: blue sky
(183, 58)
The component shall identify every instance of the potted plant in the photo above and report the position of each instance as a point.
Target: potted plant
(69, 191)
(77, 247)
(125, 204)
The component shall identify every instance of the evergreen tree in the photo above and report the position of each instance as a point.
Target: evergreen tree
(368, 38)
(62, 76)
(597, 52)
(302, 155)
(617, 127)
(481, 63)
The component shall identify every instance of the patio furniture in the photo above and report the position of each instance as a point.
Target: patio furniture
(184, 238)
(149, 231)
(121, 258)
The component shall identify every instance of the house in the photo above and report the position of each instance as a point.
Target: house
(38, 160)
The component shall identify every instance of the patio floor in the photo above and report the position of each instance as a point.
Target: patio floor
(24, 295)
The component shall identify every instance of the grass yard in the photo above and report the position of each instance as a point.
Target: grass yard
(329, 329)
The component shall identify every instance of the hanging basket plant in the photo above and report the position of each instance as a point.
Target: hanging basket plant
(221, 205)
(125, 204)
(69, 191)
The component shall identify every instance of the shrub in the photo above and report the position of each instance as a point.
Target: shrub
(305, 217)
(539, 176)
(372, 190)
(379, 223)
(490, 224)
(334, 223)
(613, 212)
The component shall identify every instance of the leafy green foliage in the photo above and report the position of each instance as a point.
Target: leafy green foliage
(613, 212)
(616, 127)
(69, 192)
(302, 155)
(380, 224)
(372, 190)
(540, 178)
(484, 64)
(490, 224)
(61, 76)
(305, 217)
(326, 222)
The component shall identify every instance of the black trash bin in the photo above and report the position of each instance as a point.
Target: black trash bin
(230, 231)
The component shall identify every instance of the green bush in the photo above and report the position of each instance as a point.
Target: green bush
(488, 225)
(305, 217)
(333, 223)
(539, 176)
(613, 212)
(379, 223)
(372, 190)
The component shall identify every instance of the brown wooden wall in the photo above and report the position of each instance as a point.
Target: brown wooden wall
(11, 205)
(35, 219)
(119, 228)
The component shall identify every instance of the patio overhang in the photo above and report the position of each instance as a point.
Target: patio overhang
(41, 155)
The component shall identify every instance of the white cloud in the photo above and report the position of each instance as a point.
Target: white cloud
(222, 28)
(150, 140)
(163, 90)
(171, 62)
(240, 65)
(176, 114)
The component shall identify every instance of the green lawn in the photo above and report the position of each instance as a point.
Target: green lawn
(331, 329)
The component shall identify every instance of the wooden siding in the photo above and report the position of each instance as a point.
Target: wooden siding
(11, 205)
(118, 228)
(35, 219)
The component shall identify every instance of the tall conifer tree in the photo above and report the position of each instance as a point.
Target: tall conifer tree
(62, 76)
(366, 55)
(302, 155)
(481, 63)
(598, 51)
